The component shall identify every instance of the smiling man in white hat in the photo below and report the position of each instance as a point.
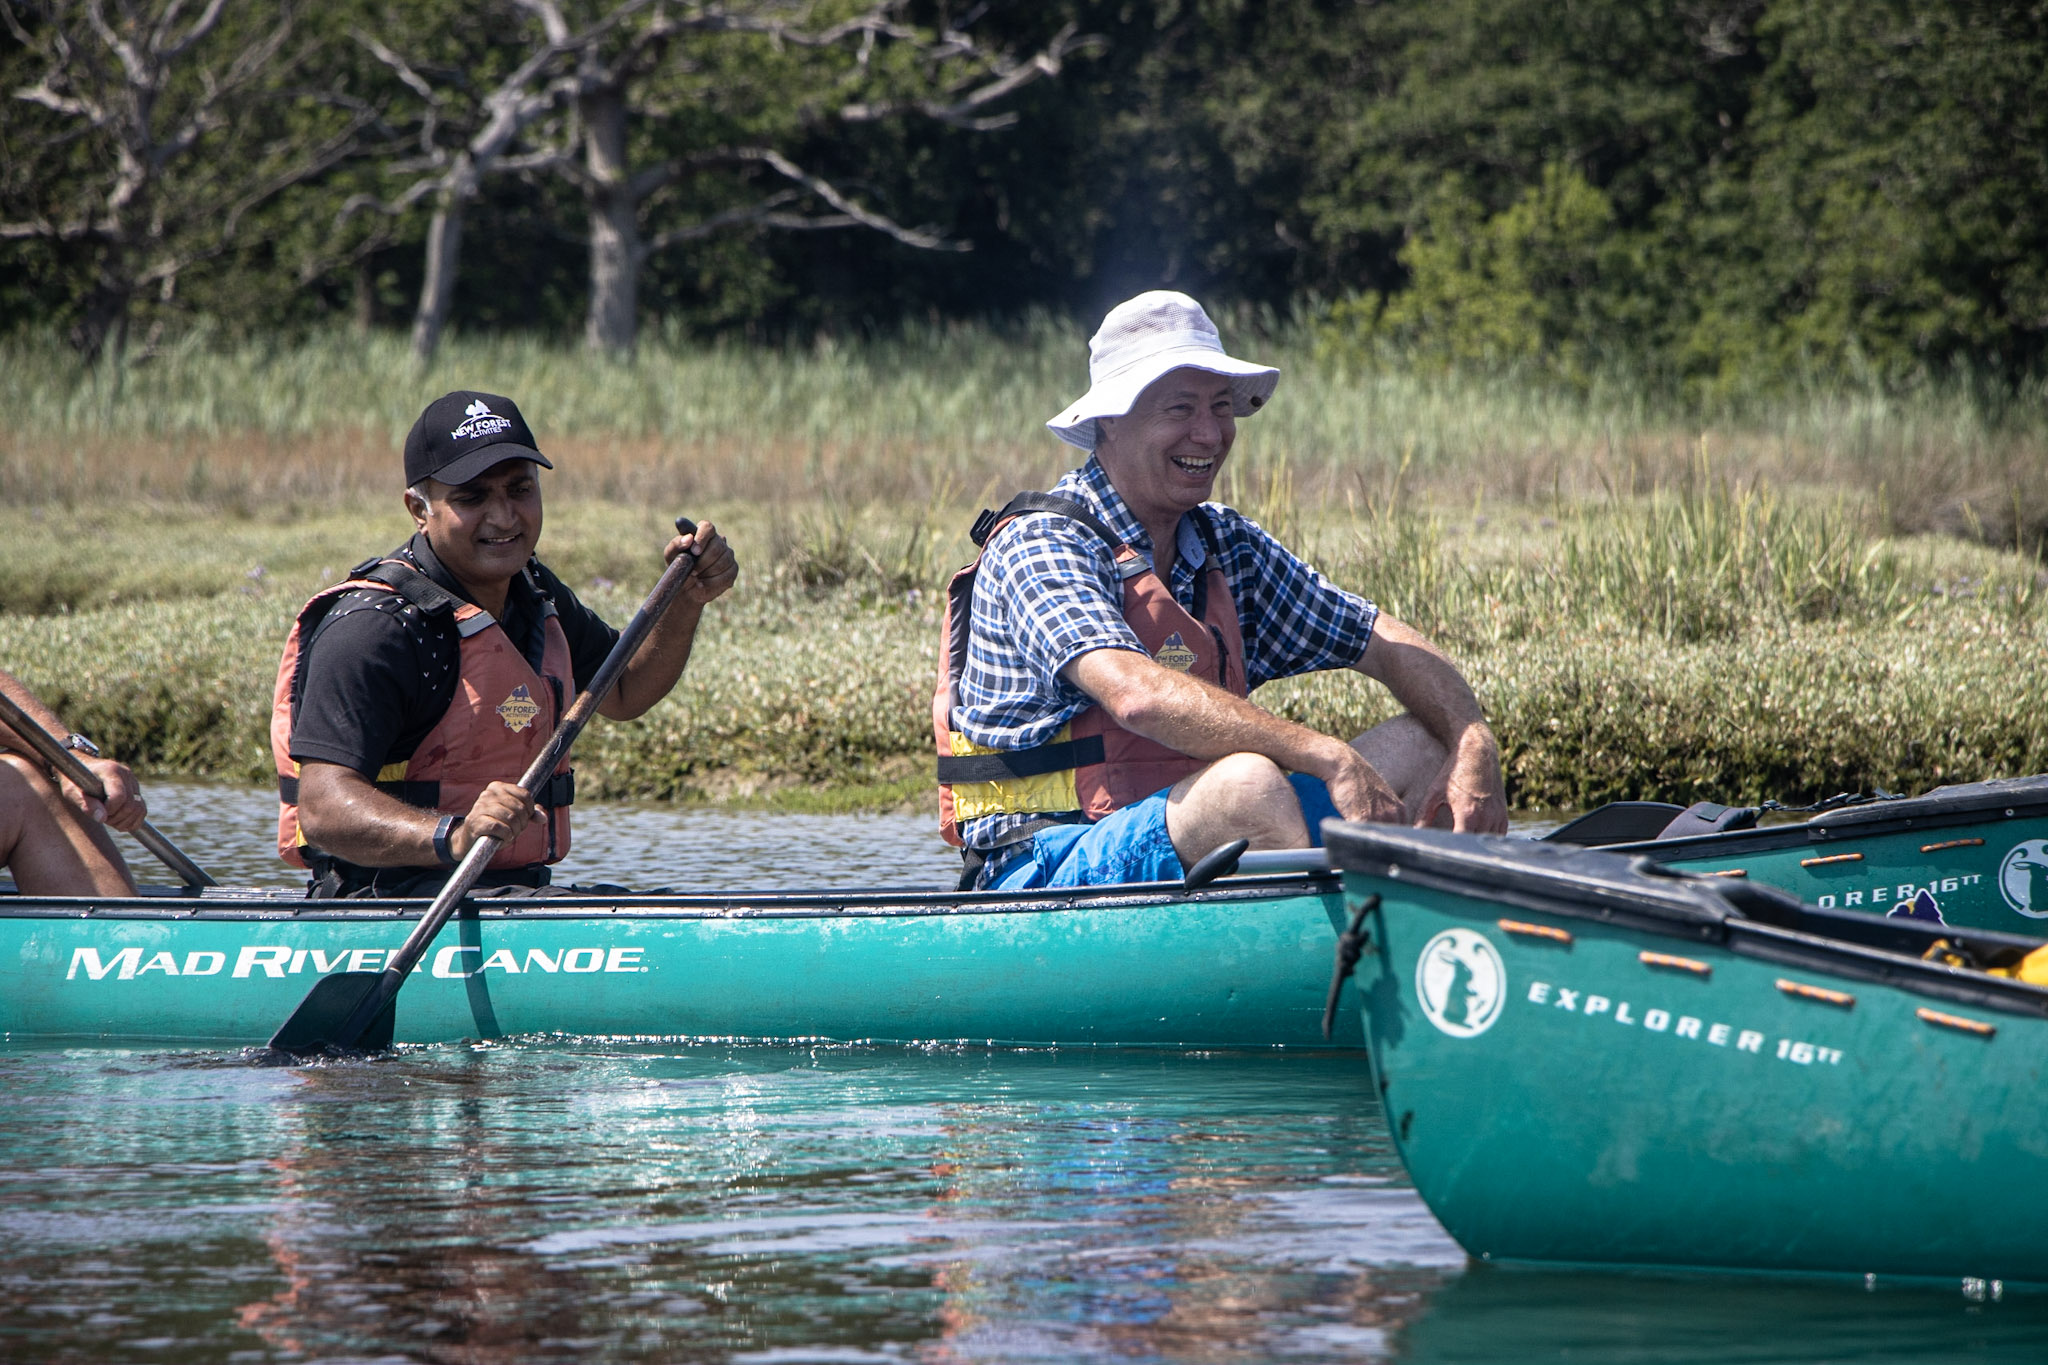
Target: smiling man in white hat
(1092, 714)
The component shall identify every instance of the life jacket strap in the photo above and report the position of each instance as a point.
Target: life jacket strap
(986, 523)
(960, 769)
(557, 791)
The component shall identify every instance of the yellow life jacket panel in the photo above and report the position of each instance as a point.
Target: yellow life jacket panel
(1093, 765)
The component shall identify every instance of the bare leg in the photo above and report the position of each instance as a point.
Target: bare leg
(52, 847)
(1241, 796)
(1407, 757)
(1247, 796)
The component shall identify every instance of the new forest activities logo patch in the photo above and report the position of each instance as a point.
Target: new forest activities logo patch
(1461, 982)
(2023, 878)
(519, 709)
(1175, 654)
(479, 420)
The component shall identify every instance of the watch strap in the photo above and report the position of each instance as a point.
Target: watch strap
(444, 851)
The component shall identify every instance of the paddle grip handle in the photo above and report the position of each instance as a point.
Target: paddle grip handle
(66, 763)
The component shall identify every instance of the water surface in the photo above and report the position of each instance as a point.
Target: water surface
(581, 1199)
(232, 832)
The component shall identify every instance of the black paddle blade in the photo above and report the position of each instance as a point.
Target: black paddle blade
(324, 1020)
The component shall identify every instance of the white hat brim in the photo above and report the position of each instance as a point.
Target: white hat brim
(1114, 395)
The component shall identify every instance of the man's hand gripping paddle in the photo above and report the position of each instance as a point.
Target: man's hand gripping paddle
(356, 1011)
(66, 764)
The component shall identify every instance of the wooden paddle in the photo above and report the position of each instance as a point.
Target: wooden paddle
(356, 1011)
(67, 764)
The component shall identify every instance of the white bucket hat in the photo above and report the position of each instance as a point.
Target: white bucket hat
(1144, 338)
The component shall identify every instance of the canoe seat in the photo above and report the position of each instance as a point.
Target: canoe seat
(1708, 817)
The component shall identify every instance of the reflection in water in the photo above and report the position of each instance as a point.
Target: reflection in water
(572, 1202)
(1592, 1319)
(569, 1202)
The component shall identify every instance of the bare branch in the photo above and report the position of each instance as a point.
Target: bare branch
(867, 218)
(718, 222)
(139, 74)
(551, 21)
(201, 26)
(69, 105)
(1010, 77)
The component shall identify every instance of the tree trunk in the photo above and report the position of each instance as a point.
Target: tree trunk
(363, 299)
(614, 215)
(106, 304)
(444, 254)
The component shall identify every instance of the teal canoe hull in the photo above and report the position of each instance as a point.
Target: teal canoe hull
(1236, 966)
(1976, 854)
(1586, 1065)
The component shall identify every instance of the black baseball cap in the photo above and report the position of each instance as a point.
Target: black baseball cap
(462, 434)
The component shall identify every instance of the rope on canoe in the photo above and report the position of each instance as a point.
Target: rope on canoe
(1351, 945)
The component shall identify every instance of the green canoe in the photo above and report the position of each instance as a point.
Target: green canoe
(1585, 1063)
(1243, 964)
(1973, 855)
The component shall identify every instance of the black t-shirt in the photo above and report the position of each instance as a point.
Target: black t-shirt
(379, 674)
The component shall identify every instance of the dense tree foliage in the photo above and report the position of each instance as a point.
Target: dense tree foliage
(1706, 193)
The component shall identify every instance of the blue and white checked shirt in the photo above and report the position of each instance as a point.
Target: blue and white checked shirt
(1048, 592)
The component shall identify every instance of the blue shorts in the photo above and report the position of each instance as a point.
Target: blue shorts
(1130, 845)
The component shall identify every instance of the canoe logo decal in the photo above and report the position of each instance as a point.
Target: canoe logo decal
(2023, 878)
(1461, 982)
(1175, 654)
(519, 709)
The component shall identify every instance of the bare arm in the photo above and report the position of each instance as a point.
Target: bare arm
(1430, 688)
(124, 808)
(660, 661)
(343, 813)
(1184, 713)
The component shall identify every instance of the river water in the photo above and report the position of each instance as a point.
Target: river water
(583, 1201)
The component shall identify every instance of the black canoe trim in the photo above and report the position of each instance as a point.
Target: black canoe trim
(1968, 803)
(1744, 918)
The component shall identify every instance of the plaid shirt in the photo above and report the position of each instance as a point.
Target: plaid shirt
(1048, 592)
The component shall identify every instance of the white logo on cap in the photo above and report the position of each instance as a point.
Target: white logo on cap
(479, 420)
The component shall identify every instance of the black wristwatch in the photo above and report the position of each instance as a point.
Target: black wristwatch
(78, 743)
(444, 851)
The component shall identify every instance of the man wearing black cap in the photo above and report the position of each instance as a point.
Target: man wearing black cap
(412, 695)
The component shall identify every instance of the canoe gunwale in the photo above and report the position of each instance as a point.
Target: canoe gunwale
(1932, 811)
(1697, 910)
(827, 904)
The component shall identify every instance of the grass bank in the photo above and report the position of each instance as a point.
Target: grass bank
(1713, 639)
(952, 416)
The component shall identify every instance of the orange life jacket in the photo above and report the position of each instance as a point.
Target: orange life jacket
(500, 719)
(1092, 765)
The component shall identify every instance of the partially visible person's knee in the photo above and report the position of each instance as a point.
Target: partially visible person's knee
(1403, 752)
(1239, 796)
(1246, 779)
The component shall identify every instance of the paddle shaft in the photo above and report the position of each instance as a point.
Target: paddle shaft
(483, 850)
(67, 764)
